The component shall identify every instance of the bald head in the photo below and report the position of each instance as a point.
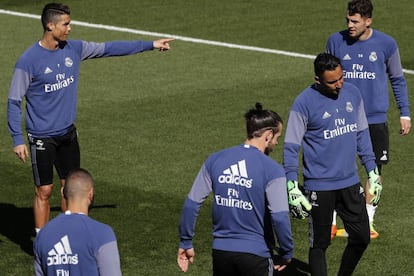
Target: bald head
(79, 183)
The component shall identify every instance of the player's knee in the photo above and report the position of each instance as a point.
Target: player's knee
(43, 192)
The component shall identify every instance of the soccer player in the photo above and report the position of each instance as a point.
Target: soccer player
(47, 76)
(249, 200)
(369, 59)
(73, 243)
(327, 121)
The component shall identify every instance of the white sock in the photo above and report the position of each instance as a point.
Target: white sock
(371, 212)
(334, 218)
(37, 230)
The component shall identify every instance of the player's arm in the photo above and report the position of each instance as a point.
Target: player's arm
(279, 210)
(200, 190)
(108, 260)
(400, 90)
(19, 85)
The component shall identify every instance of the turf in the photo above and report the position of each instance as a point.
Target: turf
(147, 122)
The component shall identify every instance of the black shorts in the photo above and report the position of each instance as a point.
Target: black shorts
(62, 152)
(380, 142)
(351, 208)
(228, 263)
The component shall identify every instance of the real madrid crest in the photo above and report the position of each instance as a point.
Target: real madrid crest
(373, 57)
(68, 62)
(349, 107)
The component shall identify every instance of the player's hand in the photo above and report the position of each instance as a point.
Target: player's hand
(280, 263)
(163, 44)
(299, 206)
(405, 123)
(184, 258)
(375, 186)
(21, 152)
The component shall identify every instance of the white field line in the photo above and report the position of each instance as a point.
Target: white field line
(183, 38)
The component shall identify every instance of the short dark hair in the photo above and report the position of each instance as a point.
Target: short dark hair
(325, 62)
(78, 181)
(258, 120)
(52, 12)
(363, 7)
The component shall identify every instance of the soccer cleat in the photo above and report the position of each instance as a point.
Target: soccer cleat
(342, 233)
(372, 232)
(333, 231)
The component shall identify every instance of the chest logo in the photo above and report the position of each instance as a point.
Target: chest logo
(373, 57)
(68, 62)
(349, 107)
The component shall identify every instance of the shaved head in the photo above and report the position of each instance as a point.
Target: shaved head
(78, 184)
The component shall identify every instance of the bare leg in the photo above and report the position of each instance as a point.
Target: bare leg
(41, 206)
(63, 205)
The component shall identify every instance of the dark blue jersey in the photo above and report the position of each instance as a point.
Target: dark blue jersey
(249, 191)
(331, 133)
(75, 244)
(48, 79)
(369, 64)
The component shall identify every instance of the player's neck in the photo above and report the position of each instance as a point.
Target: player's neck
(48, 43)
(77, 209)
(366, 35)
(257, 143)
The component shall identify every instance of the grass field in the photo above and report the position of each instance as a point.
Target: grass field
(147, 122)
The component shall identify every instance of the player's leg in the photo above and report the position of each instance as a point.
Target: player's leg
(351, 208)
(41, 205)
(42, 153)
(334, 229)
(320, 221)
(380, 143)
(67, 158)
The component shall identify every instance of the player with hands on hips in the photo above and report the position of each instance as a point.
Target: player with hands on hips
(250, 204)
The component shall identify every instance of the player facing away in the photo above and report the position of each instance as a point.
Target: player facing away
(250, 203)
(73, 243)
(46, 76)
(370, 59)
(327, 123)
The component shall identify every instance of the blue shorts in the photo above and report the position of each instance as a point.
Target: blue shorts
(61, 152)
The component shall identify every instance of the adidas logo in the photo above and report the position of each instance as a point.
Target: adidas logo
(48, 71)
(384, 156)
(237, 175)
(346, 57)
(61, 253)
(326, 115)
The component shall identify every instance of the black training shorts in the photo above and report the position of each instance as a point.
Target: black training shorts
(62, 152)
(380, 142)
(228, 263)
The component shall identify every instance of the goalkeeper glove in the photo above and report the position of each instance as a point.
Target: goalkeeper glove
(299, 206)
(375, 186)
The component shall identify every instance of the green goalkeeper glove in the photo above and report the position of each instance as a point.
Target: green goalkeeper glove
(375, 186)
(299, 206)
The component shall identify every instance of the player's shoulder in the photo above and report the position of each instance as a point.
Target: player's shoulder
(382, 38)
(339, 36)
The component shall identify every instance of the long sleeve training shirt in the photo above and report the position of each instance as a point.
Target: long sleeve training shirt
(331, 133)
(48, 79)
(368, 64)
(75, 244)
(247, 186)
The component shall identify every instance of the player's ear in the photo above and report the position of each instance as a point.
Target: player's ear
(317, 80)
(49, 26)
(62, 191)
